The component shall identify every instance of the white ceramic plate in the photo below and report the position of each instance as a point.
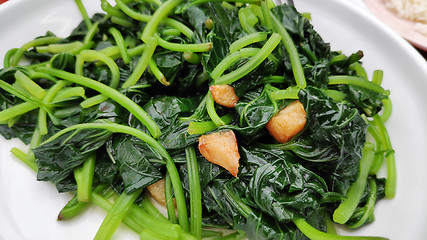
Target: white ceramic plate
(404, 27)
(28, 209)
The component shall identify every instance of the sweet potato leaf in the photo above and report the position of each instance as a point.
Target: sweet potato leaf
(57, 159)
(333, 139)
(254, 109)
(226, 30)
(137, 163)
(285, 190)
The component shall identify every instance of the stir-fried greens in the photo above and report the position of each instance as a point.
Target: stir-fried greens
(233, 114)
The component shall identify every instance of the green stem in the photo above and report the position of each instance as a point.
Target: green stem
(273, 79)
(229, 60)
(20, 94)
(157, 73)
(248, 19)
(147, 234)
(288, 93)
(152, 210)
(42, 121)
(68, 111)
(87, 45)
(254, 62)
(186, 31)
(91, 55)
(42, 117)
(116, 215)
(92, 101)
(161, 13)
(379, 149)
(211, 234)
(210, 107)
(8, 56)
(117, 96)
(120, 43)
(23, 157)
(166, 229)
(157, 2)
(84, 178)
(17, 110)
(74, 207)
(142, 64)
(131, 13)
(191, 57)
(91, 33)
(358, 68)
(377, 77)
(292, 51)
(182, 47)
(124, 22)
(106, 6)
(266, 14)
(68, 93)
(370, 205)
(170, 32)
(314, 234)
(11, 122)
(146, 18)
(84, 13)
(330, 225)
(30, 68)
(28, 84)
(388, 106)
(248, 40)
(36, 139)
(357, 81)
(207, 126)
(169, 200)
(237, 202)
(335, 94)
(36, 42)
(355, 192)
(114, 52)
(59, 48)
(234, 236)
(107, 206)
(39, 75)
(196, 2)
(195, 193)
(390, 182)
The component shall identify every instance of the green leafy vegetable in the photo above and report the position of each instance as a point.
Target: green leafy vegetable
(120, 104)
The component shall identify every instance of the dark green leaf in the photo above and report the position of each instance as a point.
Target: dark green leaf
(285, 190)
(135, 163)
(333, 139)
(57, 159)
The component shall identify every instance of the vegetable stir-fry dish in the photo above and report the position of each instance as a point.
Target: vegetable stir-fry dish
(232, 115)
